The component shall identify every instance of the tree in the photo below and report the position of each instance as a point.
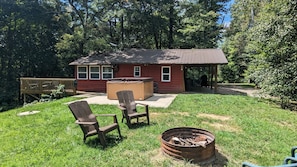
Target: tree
(85, 29)
(274, 50)
(106, 25)
(261, 46)
(27, 38)
(244, 15)
(199, 26)
(39, 38)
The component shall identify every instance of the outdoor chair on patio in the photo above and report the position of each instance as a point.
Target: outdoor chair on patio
(88, 122)
(129, 107)
(288, 162)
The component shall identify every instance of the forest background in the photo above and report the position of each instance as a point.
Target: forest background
(39, 38)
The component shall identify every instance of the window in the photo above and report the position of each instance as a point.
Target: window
(165, 74)
(82, 72)
(94, 72)
(107, 72)
(137, 71)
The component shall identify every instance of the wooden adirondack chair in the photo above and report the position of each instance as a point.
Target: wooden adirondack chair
(288, 162)
(88, 122)
(129, 107)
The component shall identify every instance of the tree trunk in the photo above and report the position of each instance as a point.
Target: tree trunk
(156, 40)
(122, 29)
(171, 23)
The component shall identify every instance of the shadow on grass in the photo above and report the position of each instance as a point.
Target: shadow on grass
(220, 160)
(140, 125)
(110, 140)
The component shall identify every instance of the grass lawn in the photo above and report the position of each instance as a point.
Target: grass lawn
(246, 129)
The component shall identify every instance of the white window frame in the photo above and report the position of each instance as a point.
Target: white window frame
(97, 72)
(86, 73)
(137, 69)
(163, 74)
(102, 72)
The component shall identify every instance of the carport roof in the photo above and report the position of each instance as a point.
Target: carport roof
(155, 56)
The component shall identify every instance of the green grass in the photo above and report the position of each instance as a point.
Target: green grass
(246, 129)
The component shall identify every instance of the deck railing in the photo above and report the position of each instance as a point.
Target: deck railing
(46, 85)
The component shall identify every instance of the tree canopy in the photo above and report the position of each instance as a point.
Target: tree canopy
(261, 46)
(38, 38)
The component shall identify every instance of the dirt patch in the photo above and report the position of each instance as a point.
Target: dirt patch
(157, 155)
(284, 124)
(157, 115)
(181, 113)
(223, 123)
(216, 117)
(223, 127)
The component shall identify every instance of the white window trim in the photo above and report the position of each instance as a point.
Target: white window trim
(102, 72)
(162, 74)
(82, 72)
(135, 67)
(90, 72)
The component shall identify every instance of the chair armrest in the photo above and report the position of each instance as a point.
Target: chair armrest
(141, 104)
(115, 120)
(247, 164)
(290, 159)
(293, 150)
(146, 107)
(105, 115)
(121, 107)
(85, 123)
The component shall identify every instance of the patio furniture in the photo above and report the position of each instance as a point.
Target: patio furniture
(293, 152)
(129, 107)
(88, 122)
(288, 161)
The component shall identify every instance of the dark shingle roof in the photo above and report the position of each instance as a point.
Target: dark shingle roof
(156, 56)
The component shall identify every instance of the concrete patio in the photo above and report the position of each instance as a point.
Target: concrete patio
(157, 100)
(164, 100)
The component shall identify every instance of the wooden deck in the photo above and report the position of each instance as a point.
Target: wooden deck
(37, 86)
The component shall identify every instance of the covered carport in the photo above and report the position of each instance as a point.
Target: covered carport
(202, 69)
(201, 76)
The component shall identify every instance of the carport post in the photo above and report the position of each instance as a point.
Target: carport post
(216, 78)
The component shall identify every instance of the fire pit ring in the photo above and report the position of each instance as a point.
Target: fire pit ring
(195, 152)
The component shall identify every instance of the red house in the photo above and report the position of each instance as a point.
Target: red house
(167, 67)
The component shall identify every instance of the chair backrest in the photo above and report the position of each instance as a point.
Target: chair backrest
(83, 113)
(126, 99)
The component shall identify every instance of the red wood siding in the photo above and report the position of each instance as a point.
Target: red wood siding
(176, 85)
(91, 85)
(125, 70)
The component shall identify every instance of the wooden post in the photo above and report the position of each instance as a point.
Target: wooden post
(209, 76)
(216, 77)
(24, 99)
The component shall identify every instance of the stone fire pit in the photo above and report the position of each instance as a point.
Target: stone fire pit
(186, 143)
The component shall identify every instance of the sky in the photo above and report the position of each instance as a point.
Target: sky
(227, 16)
